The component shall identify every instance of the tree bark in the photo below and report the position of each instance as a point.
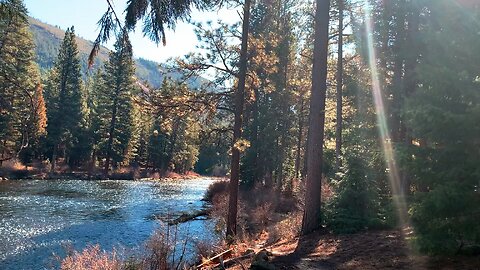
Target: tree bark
(311, 216)
(237, 128)
(338, 129)
(110, 136)
(256, 167)
(54, 158)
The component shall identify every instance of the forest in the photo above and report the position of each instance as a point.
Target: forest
(361, 115)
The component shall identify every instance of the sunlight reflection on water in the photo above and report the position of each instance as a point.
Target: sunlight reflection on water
(40, 218)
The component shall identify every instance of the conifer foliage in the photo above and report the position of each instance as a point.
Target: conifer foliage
(115, 92)
(65, 105)
(21, 107)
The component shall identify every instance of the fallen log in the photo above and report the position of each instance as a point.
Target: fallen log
(232, 261)
(188, 216)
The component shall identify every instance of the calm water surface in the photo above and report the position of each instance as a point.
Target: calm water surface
(39, 218)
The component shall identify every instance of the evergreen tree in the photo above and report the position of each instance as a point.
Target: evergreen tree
(65, 105)
(20, 121)
(311, 217)
(444, 116)
(115, 103)
(268, 111)
(158, 146)
(37, 128)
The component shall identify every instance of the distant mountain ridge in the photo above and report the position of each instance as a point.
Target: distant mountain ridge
(48, 38)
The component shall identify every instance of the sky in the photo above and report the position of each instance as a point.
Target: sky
(84, 15)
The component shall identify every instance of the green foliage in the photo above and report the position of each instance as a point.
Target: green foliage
(356, 204)
(173, 140)
(65, 103)
(114, 96)
(362, 198)
(269, 115)
(443, 115)
(446, 219)
(215, 142)
(20, 119)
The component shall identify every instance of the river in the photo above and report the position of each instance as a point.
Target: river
(40, 218)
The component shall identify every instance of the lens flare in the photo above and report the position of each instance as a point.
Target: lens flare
(389, 155)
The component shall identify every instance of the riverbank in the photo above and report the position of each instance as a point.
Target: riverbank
(270, 221)
(21, 172)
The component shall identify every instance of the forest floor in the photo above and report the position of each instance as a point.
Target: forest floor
(366, 251)
(273, 220)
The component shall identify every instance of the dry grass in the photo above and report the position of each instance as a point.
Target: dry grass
(163, 251)
(15, 169)
(265, 215)
(122, 173)
(91, 258)
(13, 165)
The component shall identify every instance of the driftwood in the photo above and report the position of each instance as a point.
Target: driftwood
(233, 261)
(218, 259)
(188, 216)
(217, 262)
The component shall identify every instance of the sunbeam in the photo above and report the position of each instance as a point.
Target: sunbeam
(389, 155)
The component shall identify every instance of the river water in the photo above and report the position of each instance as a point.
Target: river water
(40, 218)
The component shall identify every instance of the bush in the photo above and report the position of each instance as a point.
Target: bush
(353, 208)
(216, 188)
(446, 220)
(91, 258)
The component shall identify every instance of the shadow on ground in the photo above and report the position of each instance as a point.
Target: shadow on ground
(366, 251)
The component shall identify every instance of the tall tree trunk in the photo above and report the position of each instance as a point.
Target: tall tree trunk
(93, 158)
(237, 127)
(53, 163)
(311, 216)
(256, 167)
(110, 137)
(171, 150)
(338, 130)
(305, 157)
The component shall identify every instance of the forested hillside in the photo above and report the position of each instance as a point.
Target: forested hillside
(47, 39)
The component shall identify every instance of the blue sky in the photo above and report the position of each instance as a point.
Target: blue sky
(84, 14)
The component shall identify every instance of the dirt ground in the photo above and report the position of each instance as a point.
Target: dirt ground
(367, 250)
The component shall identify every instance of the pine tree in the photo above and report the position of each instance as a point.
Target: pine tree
(311, 217)
(19, 77)
(37, 126)
(239, 97)
(115, 103)
(65, 106)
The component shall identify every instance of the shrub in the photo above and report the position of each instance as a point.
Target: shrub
(446, 219)
(91, 258)
(216, 188)
(352, 208)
